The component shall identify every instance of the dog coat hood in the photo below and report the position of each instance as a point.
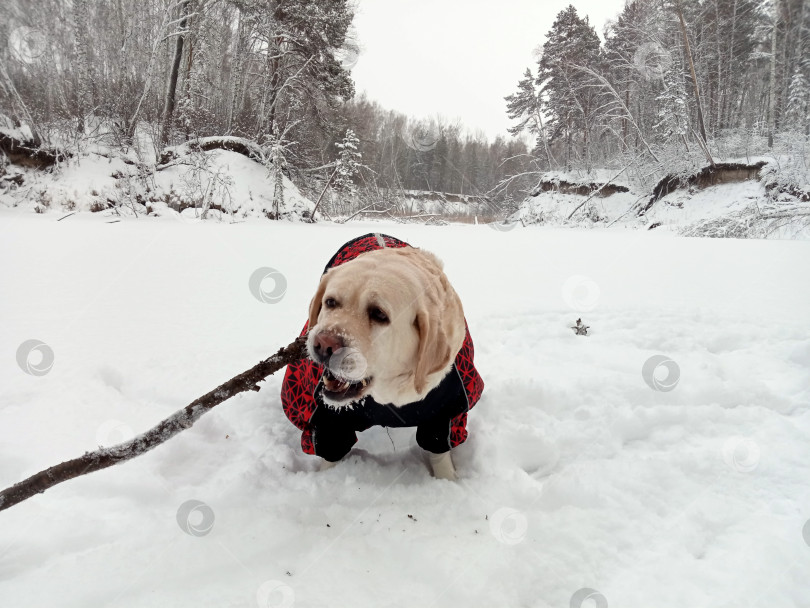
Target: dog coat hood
(440, 417)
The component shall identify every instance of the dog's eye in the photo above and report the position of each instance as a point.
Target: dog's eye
(330, 303)
(377, 315)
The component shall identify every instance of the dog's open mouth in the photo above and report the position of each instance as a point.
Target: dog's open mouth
(342, 389)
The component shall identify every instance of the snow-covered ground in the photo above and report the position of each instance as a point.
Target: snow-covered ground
(234, 186)
(227, 186)
(684, 209)
(682, 486)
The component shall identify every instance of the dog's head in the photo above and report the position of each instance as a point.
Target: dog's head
(387, 324)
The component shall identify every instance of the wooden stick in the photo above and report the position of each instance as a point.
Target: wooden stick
(171, 426)
(318, 202)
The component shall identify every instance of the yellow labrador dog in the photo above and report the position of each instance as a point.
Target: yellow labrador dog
(388, 332)
(398, 312)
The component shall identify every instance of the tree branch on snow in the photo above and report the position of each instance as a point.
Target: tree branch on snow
(785, 214)
(165, 430)
(633, 206)
(331, 165)
(325, 188)
(597, 191)
(364, 210)
(239, 145)
(502, 185)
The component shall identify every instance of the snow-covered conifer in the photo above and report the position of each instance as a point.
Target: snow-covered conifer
(348, 163)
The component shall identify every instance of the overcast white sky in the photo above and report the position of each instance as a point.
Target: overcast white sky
(456, 58)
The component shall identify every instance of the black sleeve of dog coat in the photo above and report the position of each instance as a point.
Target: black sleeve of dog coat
(332, 437)
(434, 435)
(333, 444)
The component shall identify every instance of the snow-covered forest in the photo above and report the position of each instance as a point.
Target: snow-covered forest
(722, 77)
(147, 75)
(670, 89)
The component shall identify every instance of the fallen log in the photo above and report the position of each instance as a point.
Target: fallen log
(239, 145)
(28, 153)
(168, 428)
(583, 189)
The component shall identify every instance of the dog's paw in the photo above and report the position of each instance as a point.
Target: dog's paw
(442, 466)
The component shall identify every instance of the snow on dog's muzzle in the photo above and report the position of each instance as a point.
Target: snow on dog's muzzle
(344, 375)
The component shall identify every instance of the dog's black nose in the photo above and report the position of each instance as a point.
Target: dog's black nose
(326, 344)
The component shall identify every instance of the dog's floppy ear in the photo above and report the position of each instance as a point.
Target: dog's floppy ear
(434, 348)
(315, 305)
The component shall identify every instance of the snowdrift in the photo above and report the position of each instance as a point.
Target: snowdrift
(733, 199)
(195, 182)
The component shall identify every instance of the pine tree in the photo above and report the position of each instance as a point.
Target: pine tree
(635, 60)
(348, 164)
(565, 94)
(523, 106)
(301, 41)
(797, 113)
(673, 113)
